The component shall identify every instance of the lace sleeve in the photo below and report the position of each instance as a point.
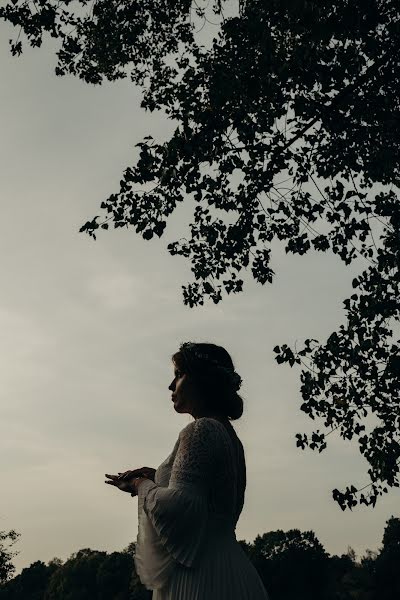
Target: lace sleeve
(178, 513)
(196, 457)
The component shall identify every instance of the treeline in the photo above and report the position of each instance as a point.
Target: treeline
(292, 564)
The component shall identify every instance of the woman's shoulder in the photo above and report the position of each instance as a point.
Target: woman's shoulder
(203, 426)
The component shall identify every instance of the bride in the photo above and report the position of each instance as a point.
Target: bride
(189, 506)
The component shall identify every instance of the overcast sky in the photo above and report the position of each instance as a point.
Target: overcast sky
(88, 329)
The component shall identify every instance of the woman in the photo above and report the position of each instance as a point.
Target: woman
(189, 507)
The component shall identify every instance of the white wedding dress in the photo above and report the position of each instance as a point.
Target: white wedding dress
(186, 546)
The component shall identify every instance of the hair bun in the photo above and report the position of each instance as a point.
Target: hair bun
(236, 381)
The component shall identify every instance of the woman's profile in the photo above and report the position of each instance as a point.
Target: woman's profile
(189, 506)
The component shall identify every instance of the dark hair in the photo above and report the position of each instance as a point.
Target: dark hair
(211, 369)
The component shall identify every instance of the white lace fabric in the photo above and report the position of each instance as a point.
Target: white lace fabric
(201, 482)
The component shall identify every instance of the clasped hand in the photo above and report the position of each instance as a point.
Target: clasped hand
(128, 480)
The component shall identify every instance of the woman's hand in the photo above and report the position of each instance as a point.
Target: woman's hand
(147, 472)
(128, 481)
(130, 484)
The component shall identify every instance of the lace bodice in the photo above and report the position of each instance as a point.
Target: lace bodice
(209, 456)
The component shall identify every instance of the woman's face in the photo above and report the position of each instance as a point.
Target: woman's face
(183, 391)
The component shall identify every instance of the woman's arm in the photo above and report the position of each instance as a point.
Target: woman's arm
(179, 512)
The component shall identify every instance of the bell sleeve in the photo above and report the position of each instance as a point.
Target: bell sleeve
(173, 519)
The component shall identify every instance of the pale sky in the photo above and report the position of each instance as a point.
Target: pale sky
(88, 329)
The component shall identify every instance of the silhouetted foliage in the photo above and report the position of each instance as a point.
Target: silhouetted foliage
(348, 579)
(7, 539)
(31, 583)
(114, 576)
(77, 579)
(387, 572)
(287, 128)
(291, 564)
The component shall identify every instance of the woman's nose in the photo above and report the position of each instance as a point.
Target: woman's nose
(171, 386)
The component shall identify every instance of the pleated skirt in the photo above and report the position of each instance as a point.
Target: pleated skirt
(223, 573)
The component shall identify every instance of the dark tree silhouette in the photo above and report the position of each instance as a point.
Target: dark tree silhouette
(387, 572)
(292, 564)
(349, 579)
(86, 575)
(77, 578)
(287, 128)
(7, 539)
(30, 584)
(114, 577)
